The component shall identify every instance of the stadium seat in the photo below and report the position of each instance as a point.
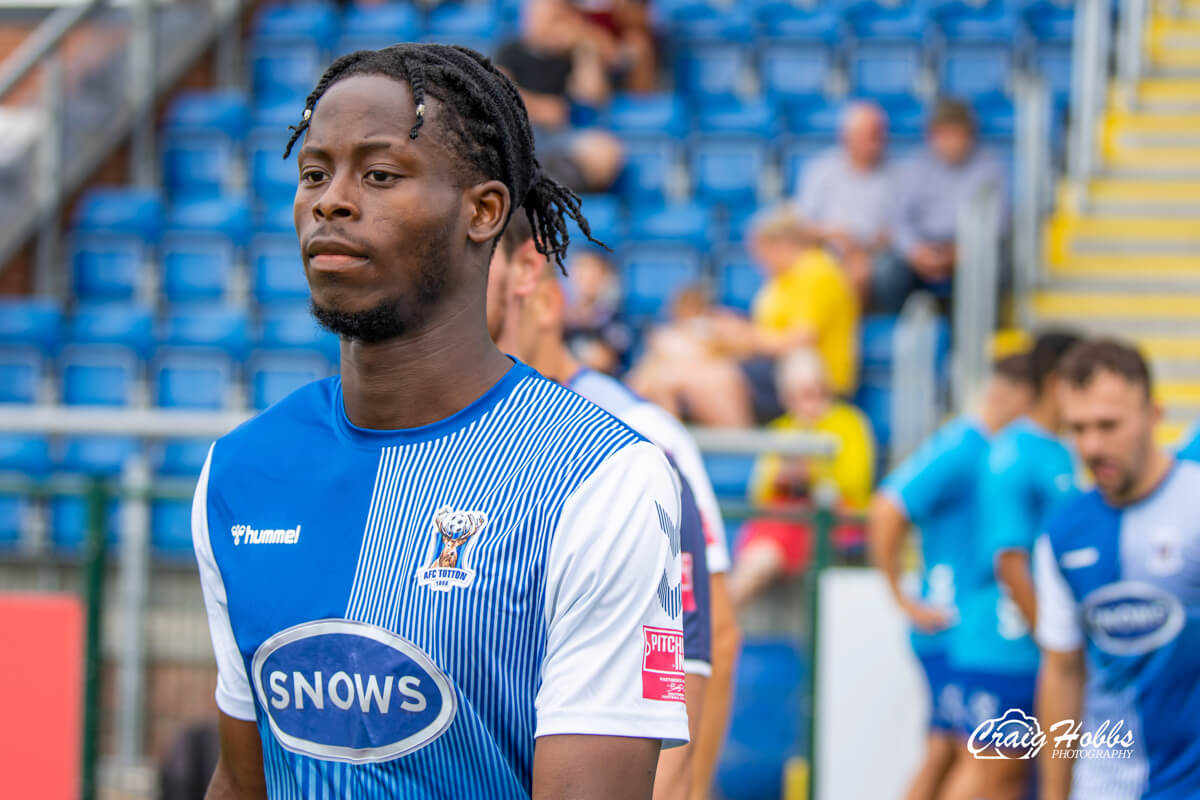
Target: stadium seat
(30, 321)
(107, 266)
(968, 21)
(652, 274)
(713, 70)
(875, 347)
(97, 455)
(275, 215)
(1050, 20)
(277, 269)
(275, 375)
(713, 22)
(69, 523)
(738, 280)
(398, 22)
(272, 176)
(21, 370)
(25, 453)
(284, 70)
(649, 163)
(98, 375)
(795, 73)
(181, 457)
(198, 162)
(273, 116)
(196, 266)
(662, 113)
(14, 509)
(213, 326)
(605, 216)
(975, 70)
(816, 117)
(228, 215)
(317, 22)
(293, 328)
(458, 23)
(730, 474)
(226, 111)
(683, 223)
(125, 324)
(193, 378)
(138, 212)
(786, 19)
(727, 169)
(751, 118)
(906, 118)
(171, 529)
(997, 119)
(795, 155)
(1053, 63)
(881, 69)
(875, 400)
(889, 21)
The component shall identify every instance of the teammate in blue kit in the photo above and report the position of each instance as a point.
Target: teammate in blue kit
(935, 491)
(1118, 592)
(438, 575)
(1189, 448)
(526, 305)
(1027, 473)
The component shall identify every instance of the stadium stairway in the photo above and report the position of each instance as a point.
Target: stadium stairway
(1123, 255)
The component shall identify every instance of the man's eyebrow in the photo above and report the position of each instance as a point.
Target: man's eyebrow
(362, 148)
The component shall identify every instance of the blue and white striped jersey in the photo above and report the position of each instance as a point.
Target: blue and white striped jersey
(403, 612)
(1124, 585)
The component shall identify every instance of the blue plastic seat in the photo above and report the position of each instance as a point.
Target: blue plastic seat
(275, 215)
(277, 269)
(1053, 62)
(171, 529)
(1050, 20)
(317, 22)
(686, 223)
(228, 215)
(712, 22)
(726, 169)
(275, 375)
(975, 70)
(284, 70)
(750, 118)
(214, 326)
(729, 473)
(795, 155)
(738, 281)
(30, 321)
(649, 161)
(605, 217)
(875, 347)
(196, 266)
(273, 115)
(198, 162)
(98, 375)
(107, 266)
(712, 69)
(69, 523)
(224, 110)
(785, 19)
(125, 324)
(880, 69)
(14, 509)
(181, 457)
(26, 453)
(661, 113)
(97, 455)
(21, 370)
(795, 73)
(815, 117)
(293, 328)
(454, 22)
(965, 21)
(906, 118)
(652, 274)
(192, 378)
(399, 22)
(138, 212)
(889, 21)
(997, 119)
(272, 176)
(875, 400)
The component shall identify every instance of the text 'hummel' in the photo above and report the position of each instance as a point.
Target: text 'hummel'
(244, 534)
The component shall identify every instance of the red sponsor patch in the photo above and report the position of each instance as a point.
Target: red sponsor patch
(662, 664)
(687, 586)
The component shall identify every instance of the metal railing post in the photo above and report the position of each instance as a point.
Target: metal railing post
(975, 291)
(1130, 59)
(143, 160)
(48, 185)
(914, 410)
(229, 43)
(93, 598)
(1089, 79)
(135, 576)
(1033, 175)
(826, 497)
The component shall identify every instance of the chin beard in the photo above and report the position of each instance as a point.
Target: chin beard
(391, 318)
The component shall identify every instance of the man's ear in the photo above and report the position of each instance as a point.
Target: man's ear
(488, 203)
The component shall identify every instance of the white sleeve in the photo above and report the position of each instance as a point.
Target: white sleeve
(614, 648)
(233, 686)
(1058, 623)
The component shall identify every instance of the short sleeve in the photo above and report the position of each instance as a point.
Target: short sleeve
(1058, 623)
(929, 477)
(697, 605)
(233, 685)
(1008, 515)
(613, 664)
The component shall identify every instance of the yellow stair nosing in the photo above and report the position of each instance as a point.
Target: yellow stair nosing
(1115, 305)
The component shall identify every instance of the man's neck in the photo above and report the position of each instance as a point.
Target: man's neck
(417, 380)
(1045, 415)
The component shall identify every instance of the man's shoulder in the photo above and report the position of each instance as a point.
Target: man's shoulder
(299, 411)
(1077, 518)
(583, 425)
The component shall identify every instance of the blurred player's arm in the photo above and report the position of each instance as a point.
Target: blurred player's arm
(887, 531)
(239, 772)
(612, 674)
(1012, 571)
(727, 640)
(1062, 673)
(1010, 524)
(676, 766)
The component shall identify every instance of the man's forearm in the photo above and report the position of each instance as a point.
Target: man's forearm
(1059, 697)
(727, 638)
(1012, 570)
(886, 530)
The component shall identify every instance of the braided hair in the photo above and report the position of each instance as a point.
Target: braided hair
(484, 119)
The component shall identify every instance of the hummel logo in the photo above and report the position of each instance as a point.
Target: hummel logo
(264, 536)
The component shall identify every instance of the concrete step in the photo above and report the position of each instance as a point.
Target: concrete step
(1166, 93)
(1117, 313)
(1173, 43)
(1143, 129)
(1169, 245)
(1130, 274)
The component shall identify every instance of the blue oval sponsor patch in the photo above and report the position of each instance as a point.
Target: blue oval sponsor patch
(349, 691)
(1132, 618)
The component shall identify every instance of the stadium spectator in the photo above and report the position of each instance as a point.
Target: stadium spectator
(931, 189)
(624, 37)
(846, 192)
(935, 490)
(593, 326)
(807, 301)
(1118, 611)
(556, 65)
(771, 548)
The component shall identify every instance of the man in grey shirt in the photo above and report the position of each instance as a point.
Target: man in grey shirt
(846, 192)
(931, 187)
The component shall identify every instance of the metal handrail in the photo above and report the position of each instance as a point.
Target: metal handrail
(39, 44)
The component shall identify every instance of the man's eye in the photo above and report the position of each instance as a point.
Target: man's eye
(379, 176)
(312, 176)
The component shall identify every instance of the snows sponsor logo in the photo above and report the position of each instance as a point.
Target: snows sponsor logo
(1132, 618)
(244, 534)
(349, 691)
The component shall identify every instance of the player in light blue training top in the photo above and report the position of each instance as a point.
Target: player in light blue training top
(1027, 473)
(438, 575)
(1118, 589)
(1189, 448)
(935, 491)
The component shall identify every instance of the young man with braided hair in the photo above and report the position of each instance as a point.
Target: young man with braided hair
(438, 575)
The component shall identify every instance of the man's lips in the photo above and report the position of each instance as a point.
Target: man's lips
(332, 262)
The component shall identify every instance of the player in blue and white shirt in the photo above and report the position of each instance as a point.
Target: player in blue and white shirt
(1118, 592)
(438, 575)
(526, 315)
(935, 491)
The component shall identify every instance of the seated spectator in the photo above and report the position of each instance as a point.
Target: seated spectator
(774, 548)
(845, 192)
(555, 64)
(728, 379)
(593, 328)
(624, 37)
(931, 188)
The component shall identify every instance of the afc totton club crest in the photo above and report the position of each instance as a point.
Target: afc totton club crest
(454, 528)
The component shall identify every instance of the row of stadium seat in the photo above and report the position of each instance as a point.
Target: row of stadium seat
(67, 524)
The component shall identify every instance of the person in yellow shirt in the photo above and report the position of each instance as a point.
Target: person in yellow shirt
(770, 549)
(725, 376)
